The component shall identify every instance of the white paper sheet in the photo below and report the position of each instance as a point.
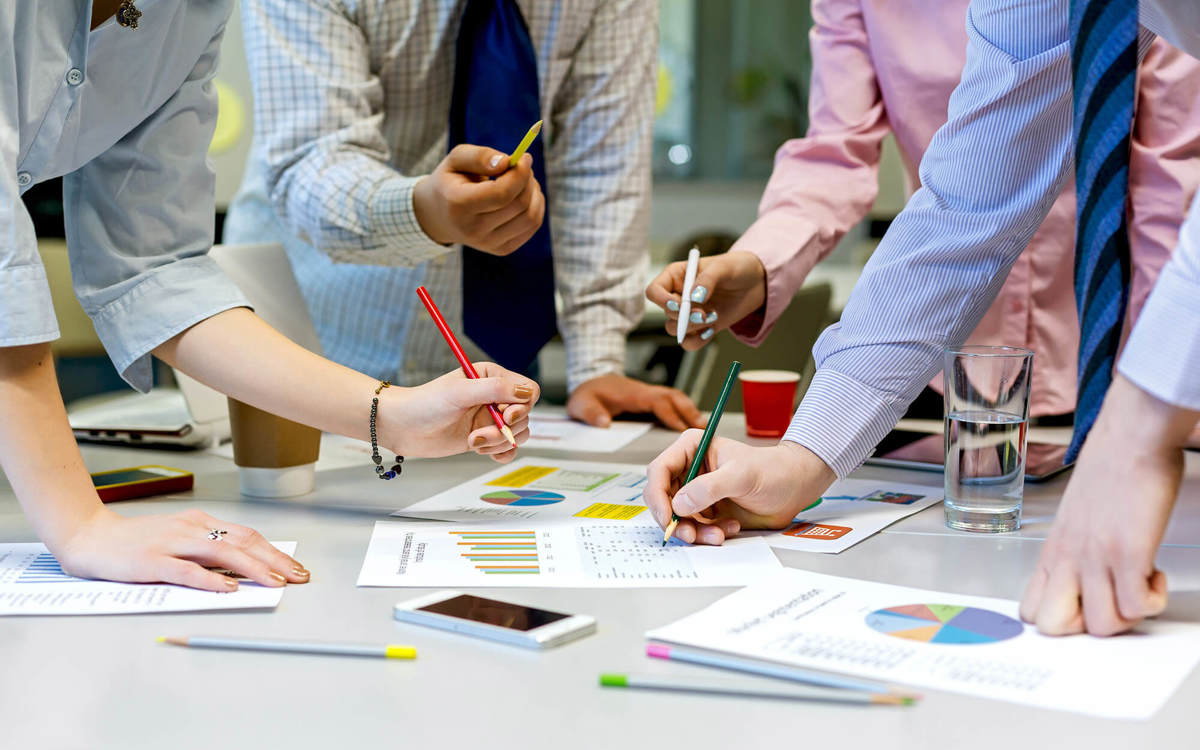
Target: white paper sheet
(540, 488)
(850, 511)
(971, 645)
(33, 583)
(551, 429)
(337, 452)
(579, 553)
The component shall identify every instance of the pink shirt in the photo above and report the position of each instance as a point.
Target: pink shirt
(889, 66)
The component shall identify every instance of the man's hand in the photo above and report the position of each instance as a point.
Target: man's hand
(743, 487)
(1096, 572)
(598, 400)
(728, 287)
(461, 203)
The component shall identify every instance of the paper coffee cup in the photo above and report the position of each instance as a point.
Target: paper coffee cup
(276, 457)
(768, 398)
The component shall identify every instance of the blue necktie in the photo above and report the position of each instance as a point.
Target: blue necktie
(508, 302)
(1104, 64)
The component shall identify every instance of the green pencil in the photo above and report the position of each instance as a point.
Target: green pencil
(523, 146)
(709, 430)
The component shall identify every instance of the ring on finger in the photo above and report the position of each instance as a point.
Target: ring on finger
(216, 534)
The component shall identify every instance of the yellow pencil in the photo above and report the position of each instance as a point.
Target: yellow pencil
(523, 146)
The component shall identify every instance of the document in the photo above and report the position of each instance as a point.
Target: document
(572, 553)
(539, 488)
(963, 644)
(33, 583)
(552, 429)
(850, 511)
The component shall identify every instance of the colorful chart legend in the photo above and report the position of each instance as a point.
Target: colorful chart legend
(500, 552)
(522, 497)
(944, 623)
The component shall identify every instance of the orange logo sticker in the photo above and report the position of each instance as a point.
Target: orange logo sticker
(817, 531)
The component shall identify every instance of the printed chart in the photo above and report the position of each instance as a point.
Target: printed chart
(577, 553)
(522, 497)
(944, 623)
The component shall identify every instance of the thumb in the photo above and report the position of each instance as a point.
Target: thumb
(479, 160)
(588, 408)
(707, 489)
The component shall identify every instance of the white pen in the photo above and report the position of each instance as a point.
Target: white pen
(685, 305)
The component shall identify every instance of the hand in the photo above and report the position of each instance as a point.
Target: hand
(728, 287)
(743, 487)
(459, 203)
(598, 400)
(449, 415)
(1096, 572)
(174, 549)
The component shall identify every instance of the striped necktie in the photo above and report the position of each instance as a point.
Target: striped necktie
(1104, 65)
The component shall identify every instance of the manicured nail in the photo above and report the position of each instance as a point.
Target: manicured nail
(708, 334)
(478, 440)
(231, 584)
(711, 318)
(672, 305)
(300, 572)
(523, 391)
(683, 505)
(495, 162)
(696, 317)
(699, 293)
(277, 578)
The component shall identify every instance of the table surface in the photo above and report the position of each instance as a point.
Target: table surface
(90, 682)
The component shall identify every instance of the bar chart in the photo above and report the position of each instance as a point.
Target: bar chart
(500, 552)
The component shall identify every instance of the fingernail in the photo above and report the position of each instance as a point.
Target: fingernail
(708, 334)
(672, 305)
(478, 440)
(711, 318)
(696, 317)
(300, 572)
(495, 162)
(683, 505)
(231, 584)
(699, 293)
(277, 578)
(523, 391)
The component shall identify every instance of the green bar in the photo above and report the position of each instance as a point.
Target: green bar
(614, 680)
(510, 572)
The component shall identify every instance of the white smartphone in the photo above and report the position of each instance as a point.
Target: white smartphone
(510, 623)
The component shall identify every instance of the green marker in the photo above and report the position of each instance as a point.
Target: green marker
(523, 146)
(751, 689)
(709, 430)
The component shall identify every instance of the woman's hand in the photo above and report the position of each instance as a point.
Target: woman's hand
(174, 549)
(728, 287)
(449, 415)
(743, 487)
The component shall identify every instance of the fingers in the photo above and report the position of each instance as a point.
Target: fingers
(511, 236)
(494, 195)
(1139, 596)
(587, 407)
(1058, 611)
(1100, 615)
(710, 488)
(263, 562)
(507, 389)
(667, 412)
(686, 409)
(1033, 593)
(185, 573)
(225, 554)
(664, 473)
(477, 160)
(667, 285)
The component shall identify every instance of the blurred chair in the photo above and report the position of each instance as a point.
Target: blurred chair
(789, 347)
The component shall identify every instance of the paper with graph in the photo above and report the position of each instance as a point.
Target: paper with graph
(541, 488)
(569, 553)
(33, 583)
(552, 429)
(931, 639)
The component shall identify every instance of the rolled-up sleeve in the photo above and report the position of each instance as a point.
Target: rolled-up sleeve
(139, 224)
(26, 312)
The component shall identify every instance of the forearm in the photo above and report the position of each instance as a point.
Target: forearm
(37, 449)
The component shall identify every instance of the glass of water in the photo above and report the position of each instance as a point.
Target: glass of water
(987, 416)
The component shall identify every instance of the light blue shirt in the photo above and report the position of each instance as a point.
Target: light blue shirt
(125, 117)
(988, 179)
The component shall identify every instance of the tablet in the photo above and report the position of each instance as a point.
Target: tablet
(907, 449)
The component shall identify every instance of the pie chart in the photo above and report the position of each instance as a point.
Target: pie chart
(944, 623)
(522, 497)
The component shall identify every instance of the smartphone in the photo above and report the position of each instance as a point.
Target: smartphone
(141, 481)
(907, 449)
(515, 624)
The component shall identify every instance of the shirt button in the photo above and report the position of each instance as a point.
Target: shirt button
(23, 179)
(74, 76)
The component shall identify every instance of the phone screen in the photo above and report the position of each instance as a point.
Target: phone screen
(492, 612)
(121, 477)
(922, 447)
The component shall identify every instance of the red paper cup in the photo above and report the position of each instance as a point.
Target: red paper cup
(769, 397)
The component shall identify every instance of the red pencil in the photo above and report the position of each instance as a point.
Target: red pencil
(467, 367)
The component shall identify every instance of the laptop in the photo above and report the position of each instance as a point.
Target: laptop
(192, 414)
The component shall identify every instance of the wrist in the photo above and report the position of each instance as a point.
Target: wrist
(1141, 421)
(806, 466)
(395, 403)
(424, 201)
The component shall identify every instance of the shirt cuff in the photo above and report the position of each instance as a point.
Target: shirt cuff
(1162, 355)
(171, 299)
(399, 239)
(773, 240)
(591, 354)
(842, 420)
(26, 308)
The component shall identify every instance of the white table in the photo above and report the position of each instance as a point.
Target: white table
(93, 682)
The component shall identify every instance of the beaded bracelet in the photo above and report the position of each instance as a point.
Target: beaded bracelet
(393, 472)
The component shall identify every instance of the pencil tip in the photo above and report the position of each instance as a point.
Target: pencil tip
(508, 433)
(161, 639)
